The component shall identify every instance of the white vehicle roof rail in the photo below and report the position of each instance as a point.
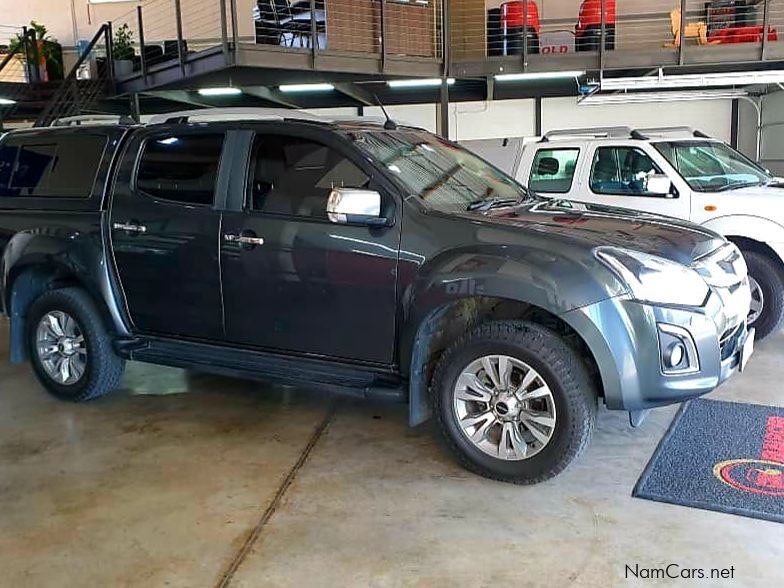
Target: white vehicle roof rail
(233, 114)
(594, 132)
(622, 133)
(662, 131)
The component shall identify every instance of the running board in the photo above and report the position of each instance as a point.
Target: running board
(358, 381)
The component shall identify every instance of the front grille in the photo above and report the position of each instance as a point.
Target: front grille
(728, 342)
(726, 273)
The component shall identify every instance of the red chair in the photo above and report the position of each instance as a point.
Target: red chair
(751, 34)
(588, 32)
(520, 24)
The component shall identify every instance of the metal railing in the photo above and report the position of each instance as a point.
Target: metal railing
(77, 96)
(554, 29)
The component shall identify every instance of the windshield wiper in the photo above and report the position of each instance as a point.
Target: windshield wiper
(737, 185)
(486, 204)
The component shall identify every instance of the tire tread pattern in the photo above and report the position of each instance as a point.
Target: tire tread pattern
(551, 350)
(106, 369)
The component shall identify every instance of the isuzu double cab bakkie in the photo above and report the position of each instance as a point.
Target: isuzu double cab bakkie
(359, 257)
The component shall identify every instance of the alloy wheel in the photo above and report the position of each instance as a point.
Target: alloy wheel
(757, 301)
(61, 348)
(504, 407)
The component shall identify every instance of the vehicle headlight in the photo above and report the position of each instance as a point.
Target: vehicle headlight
(654, 279)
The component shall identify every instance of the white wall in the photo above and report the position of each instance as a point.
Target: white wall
(516, 118)
(490, 120)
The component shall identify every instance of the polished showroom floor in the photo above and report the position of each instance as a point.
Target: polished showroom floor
(183, 479)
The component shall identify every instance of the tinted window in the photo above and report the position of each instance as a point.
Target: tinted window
(553, 170)
(181, 168)
(56, 167)
(622, 170)
(295, 176)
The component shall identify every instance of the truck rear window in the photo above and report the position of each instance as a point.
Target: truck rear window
(50, 167)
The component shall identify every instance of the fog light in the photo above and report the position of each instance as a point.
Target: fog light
(674, 355)
(678, 352)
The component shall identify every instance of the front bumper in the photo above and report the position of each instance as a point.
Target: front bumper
(623, 336)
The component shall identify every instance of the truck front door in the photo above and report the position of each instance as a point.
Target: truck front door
(619, 175)
(298, 282)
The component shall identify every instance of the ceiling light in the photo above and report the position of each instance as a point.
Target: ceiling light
(647, 97)
(662, 81)
(220, 91)
(6, 101)
(544, 75)
(420, 83)
(306, 88)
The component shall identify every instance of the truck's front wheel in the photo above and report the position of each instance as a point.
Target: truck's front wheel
(767, 294)
(69, 346)
(514, 402)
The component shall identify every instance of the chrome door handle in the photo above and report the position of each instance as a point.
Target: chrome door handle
(129, 227)
(243, 240)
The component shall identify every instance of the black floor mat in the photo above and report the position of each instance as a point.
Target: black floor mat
(722, 456)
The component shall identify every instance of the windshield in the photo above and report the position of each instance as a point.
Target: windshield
(710, 166)
(441, 173)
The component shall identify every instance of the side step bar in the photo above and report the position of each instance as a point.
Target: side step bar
(366, 382)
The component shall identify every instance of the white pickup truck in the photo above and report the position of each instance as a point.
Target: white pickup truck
(676, 172)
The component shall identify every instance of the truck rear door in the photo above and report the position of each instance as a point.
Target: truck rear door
(164, 223)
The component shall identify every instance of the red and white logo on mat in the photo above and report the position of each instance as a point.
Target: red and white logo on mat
(763, 475)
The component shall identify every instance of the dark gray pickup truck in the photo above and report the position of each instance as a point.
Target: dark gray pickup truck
(364, 258)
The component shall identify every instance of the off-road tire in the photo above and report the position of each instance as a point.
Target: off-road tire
(104, 368)
(769, 276)
(561, 368)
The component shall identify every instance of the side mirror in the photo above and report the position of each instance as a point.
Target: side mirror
(660, 185)
(351, 205)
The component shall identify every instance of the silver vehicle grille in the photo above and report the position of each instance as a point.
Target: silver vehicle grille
(726, 273)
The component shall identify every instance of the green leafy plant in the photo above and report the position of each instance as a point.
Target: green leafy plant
(122, 49)
(48, 47)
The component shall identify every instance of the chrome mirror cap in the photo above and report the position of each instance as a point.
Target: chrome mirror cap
(352, 205)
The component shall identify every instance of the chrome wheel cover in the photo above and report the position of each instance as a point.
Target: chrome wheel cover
(61, 348)
(504, 407)
(757, 302)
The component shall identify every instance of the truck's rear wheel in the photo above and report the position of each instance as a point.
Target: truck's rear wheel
(767, 294)
(69, 346)
(514, 402)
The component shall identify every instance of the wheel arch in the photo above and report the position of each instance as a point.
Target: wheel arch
(442, 324)
(24, 283)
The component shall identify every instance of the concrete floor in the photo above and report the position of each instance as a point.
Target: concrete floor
(239, 484)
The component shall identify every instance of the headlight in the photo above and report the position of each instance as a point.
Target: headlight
(653, 279)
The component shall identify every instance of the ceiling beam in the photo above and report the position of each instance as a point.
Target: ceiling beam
(181, 96)
(354, 92)
(270, 95)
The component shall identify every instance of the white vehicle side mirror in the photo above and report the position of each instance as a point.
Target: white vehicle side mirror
(660, 185)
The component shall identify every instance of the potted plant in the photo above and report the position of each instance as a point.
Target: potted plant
(123, 52)
(50, 52)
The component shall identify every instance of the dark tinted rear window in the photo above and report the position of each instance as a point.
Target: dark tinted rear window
(181, 168)
(50, 167)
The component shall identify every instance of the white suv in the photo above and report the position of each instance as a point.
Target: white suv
(676, 172)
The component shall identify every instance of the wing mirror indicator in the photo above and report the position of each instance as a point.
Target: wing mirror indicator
(355, 206)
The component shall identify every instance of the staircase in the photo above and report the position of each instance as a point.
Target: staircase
(50, 101)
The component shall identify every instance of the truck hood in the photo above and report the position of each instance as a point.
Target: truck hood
(591, 225)
(771, 192)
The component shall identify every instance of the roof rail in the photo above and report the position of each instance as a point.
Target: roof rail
(624, 133)
(660, 131)
(94, 119)
(228, 114)
(596, 132)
